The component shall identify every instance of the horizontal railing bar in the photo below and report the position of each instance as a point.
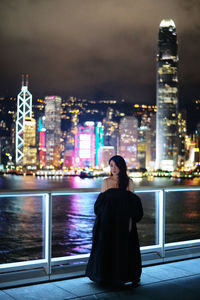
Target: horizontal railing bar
(71, 258)
(147, 190)
(30, 263)
(83, 256)
(183, 189)
(76, 256)
(90, 190)
(72, 193)
(79, 257)
(143, 249)
(47, 191)
(22, 194)
(189, 243)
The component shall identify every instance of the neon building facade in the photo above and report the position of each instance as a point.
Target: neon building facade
(98, 144)
(53, 130)
(24, 109)
(84, 152)
(42, 142)
(167, 97)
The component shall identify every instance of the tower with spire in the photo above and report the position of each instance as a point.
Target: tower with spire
(167, 97)
(24, 110)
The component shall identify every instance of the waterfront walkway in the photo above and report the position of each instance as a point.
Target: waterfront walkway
(172, 281)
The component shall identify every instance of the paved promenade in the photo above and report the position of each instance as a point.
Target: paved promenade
(172, 281)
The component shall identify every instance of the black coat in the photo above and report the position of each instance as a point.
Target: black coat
(115, 256)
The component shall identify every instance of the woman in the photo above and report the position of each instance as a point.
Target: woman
(115, 256)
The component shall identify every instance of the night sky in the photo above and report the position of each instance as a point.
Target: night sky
(95, 48)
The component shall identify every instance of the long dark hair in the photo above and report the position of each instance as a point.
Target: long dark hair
(122, 176)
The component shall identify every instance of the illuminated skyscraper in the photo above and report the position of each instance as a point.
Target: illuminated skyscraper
(147, 141)
(144, 146)
(98, 144)
(24, 109)
(42, 142)
(153, 141)
(111, 130)
(30, 151)
(53, 130)
(84, 152)
(167, 97)
(128, 130)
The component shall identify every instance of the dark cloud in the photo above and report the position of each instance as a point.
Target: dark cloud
(92, 48)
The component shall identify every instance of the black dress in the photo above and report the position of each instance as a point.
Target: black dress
(115, 256)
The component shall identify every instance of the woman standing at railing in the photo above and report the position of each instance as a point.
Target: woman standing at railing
(115, 256)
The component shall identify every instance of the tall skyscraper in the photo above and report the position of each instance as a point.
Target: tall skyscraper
(167, 97)
(144, 146)
(53, 130)
(30, 151)
(128, 130)
(24, 109)
(111, 130)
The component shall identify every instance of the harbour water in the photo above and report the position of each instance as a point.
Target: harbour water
(21, 218)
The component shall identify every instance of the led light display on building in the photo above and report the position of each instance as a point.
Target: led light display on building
(85, 145)
(84, 152)
(42, 145)
(98, 144)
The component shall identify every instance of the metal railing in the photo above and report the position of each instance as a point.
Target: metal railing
(159, 248)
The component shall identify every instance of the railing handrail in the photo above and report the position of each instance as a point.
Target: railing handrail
(93, 190)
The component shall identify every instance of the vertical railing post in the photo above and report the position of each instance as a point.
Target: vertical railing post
(157, 219)
(162, 222)
(48, 232)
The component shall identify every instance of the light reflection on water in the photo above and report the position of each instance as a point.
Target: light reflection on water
(73, 219)
(21, 229)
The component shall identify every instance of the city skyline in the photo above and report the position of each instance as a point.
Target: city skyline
(95, 49)
(87, 146)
